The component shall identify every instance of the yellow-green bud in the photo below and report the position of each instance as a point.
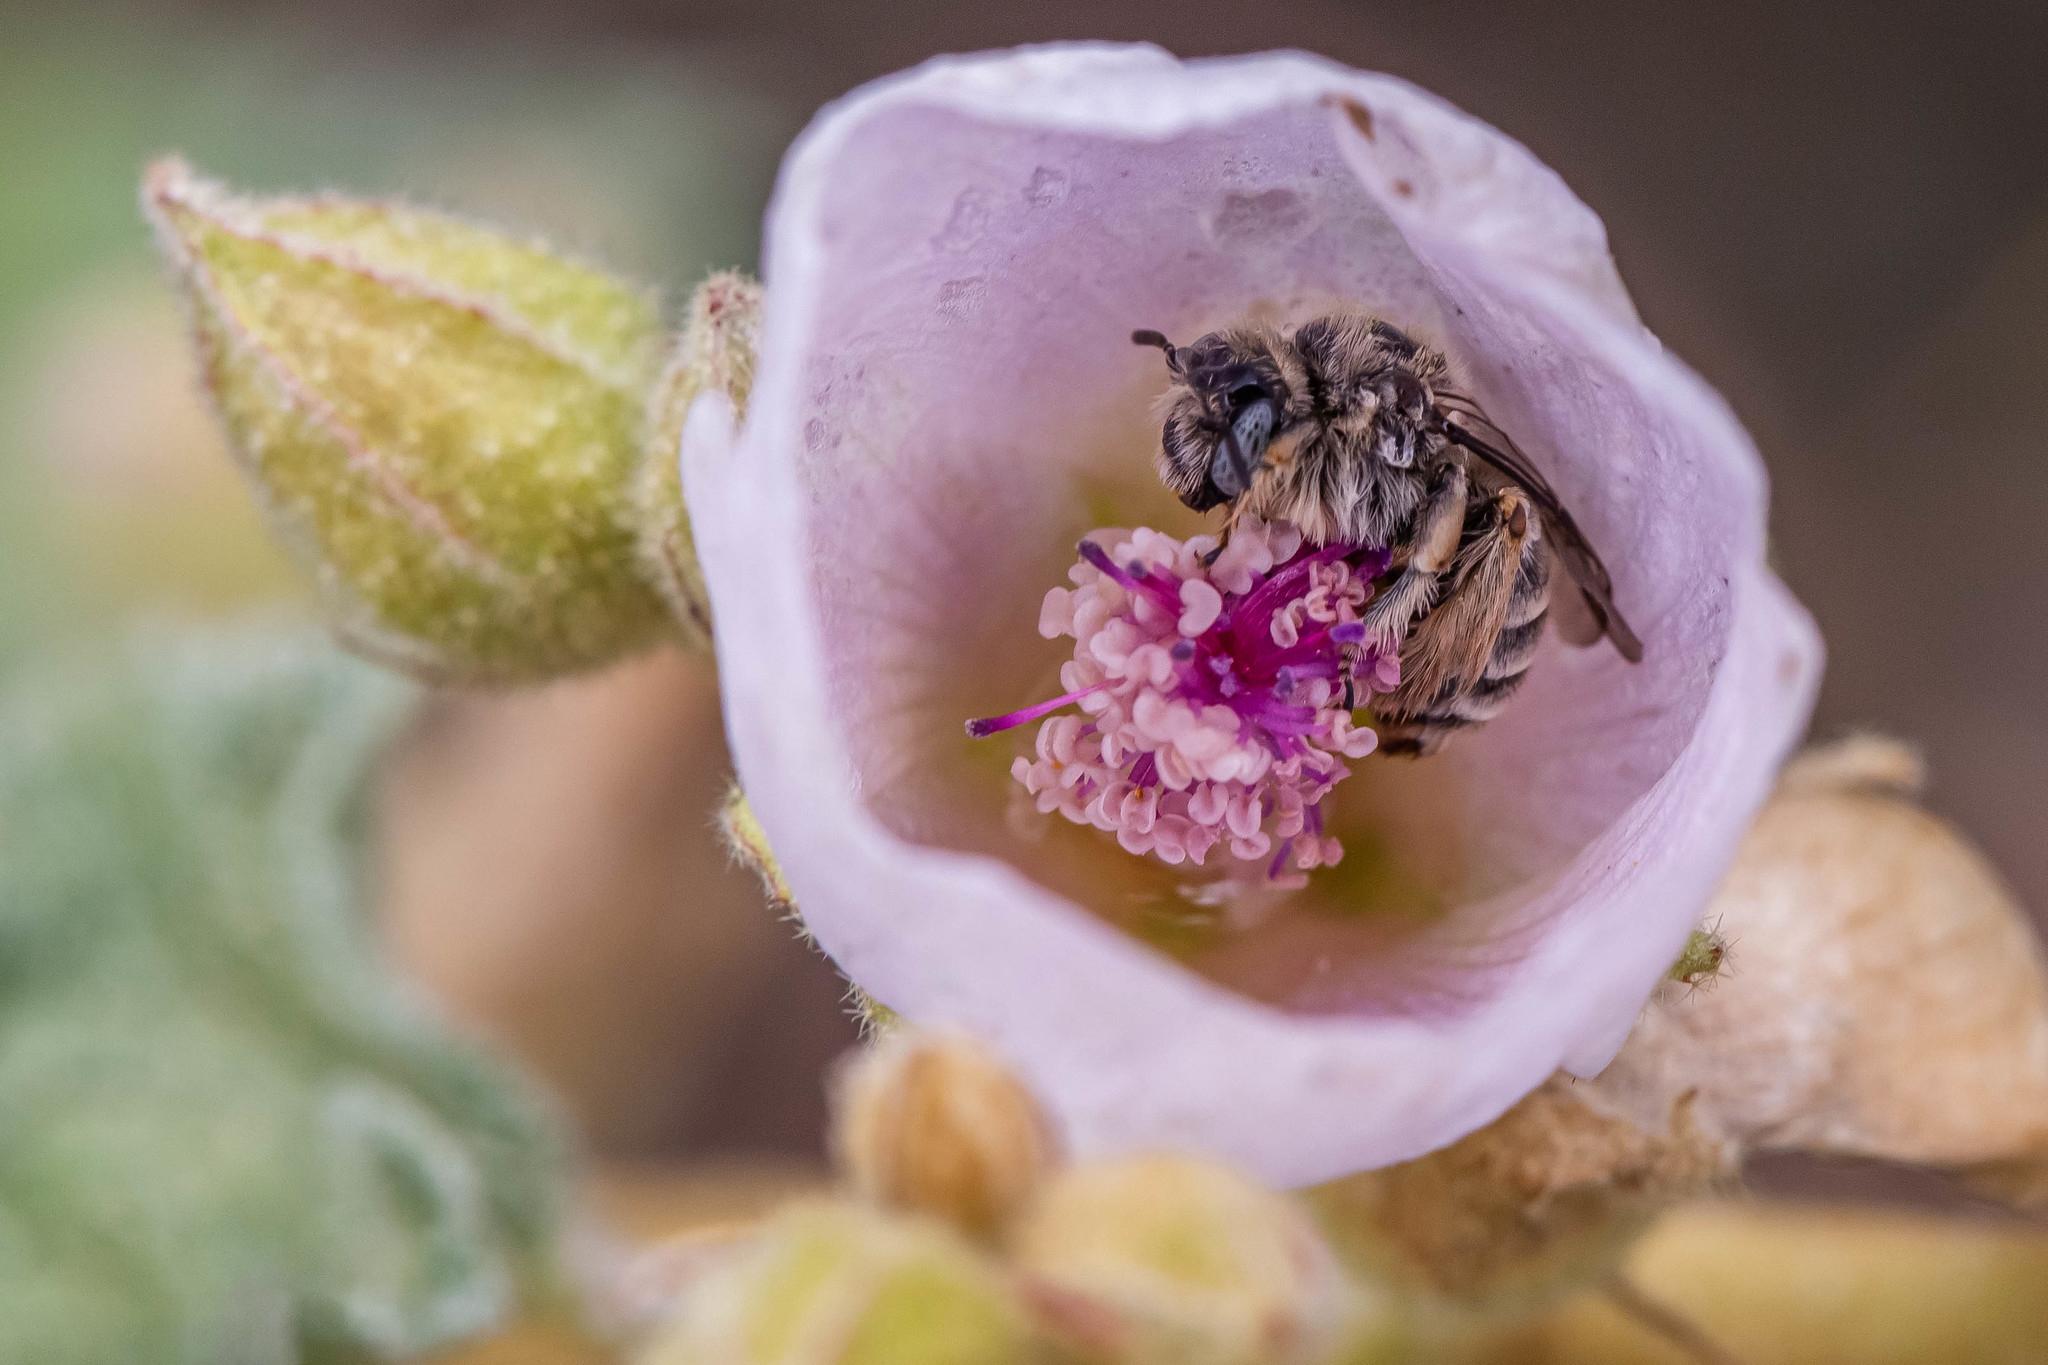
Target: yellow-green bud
(846, 1284)
(444, 423)
(935, 1124)
(715, 353)
(876, 1020)
(1184, 1261)
(1705, 953)
(748, 843)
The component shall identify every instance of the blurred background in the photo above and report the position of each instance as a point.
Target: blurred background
(1840, 218)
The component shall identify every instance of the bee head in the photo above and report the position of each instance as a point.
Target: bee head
(1227, 398)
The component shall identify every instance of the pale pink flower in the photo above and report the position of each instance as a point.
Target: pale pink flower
(947, 399)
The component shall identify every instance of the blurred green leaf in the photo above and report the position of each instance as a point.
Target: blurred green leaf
(226, 1133)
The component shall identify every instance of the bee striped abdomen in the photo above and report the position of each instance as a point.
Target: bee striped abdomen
(1463, 701)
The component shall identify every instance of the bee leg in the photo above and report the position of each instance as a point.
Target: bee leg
(1222, 537)
(1409, 742)
(1439, 523)
(1418, 737)
(1408, 736)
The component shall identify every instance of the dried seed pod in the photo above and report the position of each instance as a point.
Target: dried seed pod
(937, 1124)
(1892, 999)
(1540, 1202)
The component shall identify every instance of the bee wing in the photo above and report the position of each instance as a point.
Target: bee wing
(1567, 541)
(1570, 617)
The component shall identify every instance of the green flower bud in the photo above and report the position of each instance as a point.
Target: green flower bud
(1187, 1262)
(876, 1020)
(714, 353)
(748, 843)
(1701, 960)
(443, 422)
(844, 1284)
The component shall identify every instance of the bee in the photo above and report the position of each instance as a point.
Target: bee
(1350, 429)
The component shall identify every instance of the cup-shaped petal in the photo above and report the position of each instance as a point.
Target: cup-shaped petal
(947, 397)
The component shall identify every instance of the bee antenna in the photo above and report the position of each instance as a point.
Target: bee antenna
(1145, 336)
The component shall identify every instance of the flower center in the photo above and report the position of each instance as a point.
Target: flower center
(1216, 690)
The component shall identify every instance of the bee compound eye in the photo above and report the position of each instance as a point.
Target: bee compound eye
(1253, 427)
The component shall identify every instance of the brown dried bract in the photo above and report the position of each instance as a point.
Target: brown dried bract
(937, 1125)
(1542, 1201)
(1891, 999)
